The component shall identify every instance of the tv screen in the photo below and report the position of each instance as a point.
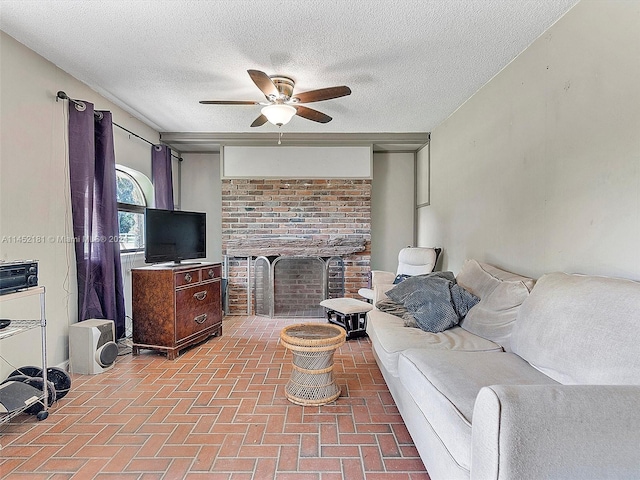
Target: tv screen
(173, 235)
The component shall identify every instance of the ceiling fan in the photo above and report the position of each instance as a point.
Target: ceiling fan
(282, 104)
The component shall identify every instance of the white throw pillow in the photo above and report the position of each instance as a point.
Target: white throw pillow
(501, 294)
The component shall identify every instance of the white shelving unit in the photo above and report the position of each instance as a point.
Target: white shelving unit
(19, 326)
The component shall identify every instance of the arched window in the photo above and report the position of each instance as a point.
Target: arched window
(133, 192)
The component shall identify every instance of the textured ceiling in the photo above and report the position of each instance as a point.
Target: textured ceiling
(409, 63)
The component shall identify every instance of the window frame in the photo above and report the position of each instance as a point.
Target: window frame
(145, 187)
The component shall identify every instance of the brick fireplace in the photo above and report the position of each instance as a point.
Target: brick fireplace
(323, 218)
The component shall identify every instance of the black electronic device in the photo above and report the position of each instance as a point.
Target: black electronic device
(4, 322)
(18, 275)
(174, 235)
(16, 395)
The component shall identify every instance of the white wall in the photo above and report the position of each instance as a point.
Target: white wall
(201, 192)
(34, 189)
(392, 207)
(296, 161)
(540, 170)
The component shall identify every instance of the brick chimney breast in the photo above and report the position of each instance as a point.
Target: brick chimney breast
(297, 217)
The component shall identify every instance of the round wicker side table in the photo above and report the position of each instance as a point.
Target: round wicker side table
(312, 381)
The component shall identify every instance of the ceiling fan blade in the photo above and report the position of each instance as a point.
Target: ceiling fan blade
(264, 83)
(228, 102)
(261, 120)
(323, 94)
(311, 114)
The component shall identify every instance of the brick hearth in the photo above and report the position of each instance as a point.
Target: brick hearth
(306, 210)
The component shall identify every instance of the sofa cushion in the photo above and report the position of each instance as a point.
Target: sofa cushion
(501, 293)
(445, 384)
(581, 329)
(389, 337)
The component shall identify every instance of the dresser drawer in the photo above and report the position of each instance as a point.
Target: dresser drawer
(190, 323)
(187, 277)
(209, 273)
(194, 298)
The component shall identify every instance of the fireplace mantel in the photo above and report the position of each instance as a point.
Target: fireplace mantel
(294, 246)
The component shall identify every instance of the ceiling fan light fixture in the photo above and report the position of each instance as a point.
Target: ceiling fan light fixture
(279, 114)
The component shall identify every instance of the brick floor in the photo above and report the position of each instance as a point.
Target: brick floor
(217, 412)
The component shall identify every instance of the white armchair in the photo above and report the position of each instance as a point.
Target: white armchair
(411, 261)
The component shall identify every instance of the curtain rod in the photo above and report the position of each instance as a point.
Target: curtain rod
(81, 107)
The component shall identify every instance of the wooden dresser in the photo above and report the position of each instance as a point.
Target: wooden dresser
(175, 306)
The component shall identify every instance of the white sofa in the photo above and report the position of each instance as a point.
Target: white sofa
(536, 382)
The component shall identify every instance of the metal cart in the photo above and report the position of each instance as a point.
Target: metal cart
(18, 326)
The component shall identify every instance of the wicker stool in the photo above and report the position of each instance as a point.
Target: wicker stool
(349, 313)
(312, 345)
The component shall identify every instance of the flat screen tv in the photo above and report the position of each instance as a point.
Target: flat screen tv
(174, 236)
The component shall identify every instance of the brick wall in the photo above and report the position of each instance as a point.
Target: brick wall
(319, 209)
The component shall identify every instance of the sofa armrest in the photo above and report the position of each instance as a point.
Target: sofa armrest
(381, 277)
(556, 431)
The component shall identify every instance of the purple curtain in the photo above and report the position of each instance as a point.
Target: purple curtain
(162, 176)
(95, 217)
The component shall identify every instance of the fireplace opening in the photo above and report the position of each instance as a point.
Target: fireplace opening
(293, 287)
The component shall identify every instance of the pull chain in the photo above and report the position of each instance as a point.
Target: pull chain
(280, 138)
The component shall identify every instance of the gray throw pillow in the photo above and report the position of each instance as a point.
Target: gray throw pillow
(435, 301)
(463, 300)
(405, 288)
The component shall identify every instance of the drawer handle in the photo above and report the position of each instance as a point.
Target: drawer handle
(188, 277)
(200, 295)
(200, 319)
(211, 273)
